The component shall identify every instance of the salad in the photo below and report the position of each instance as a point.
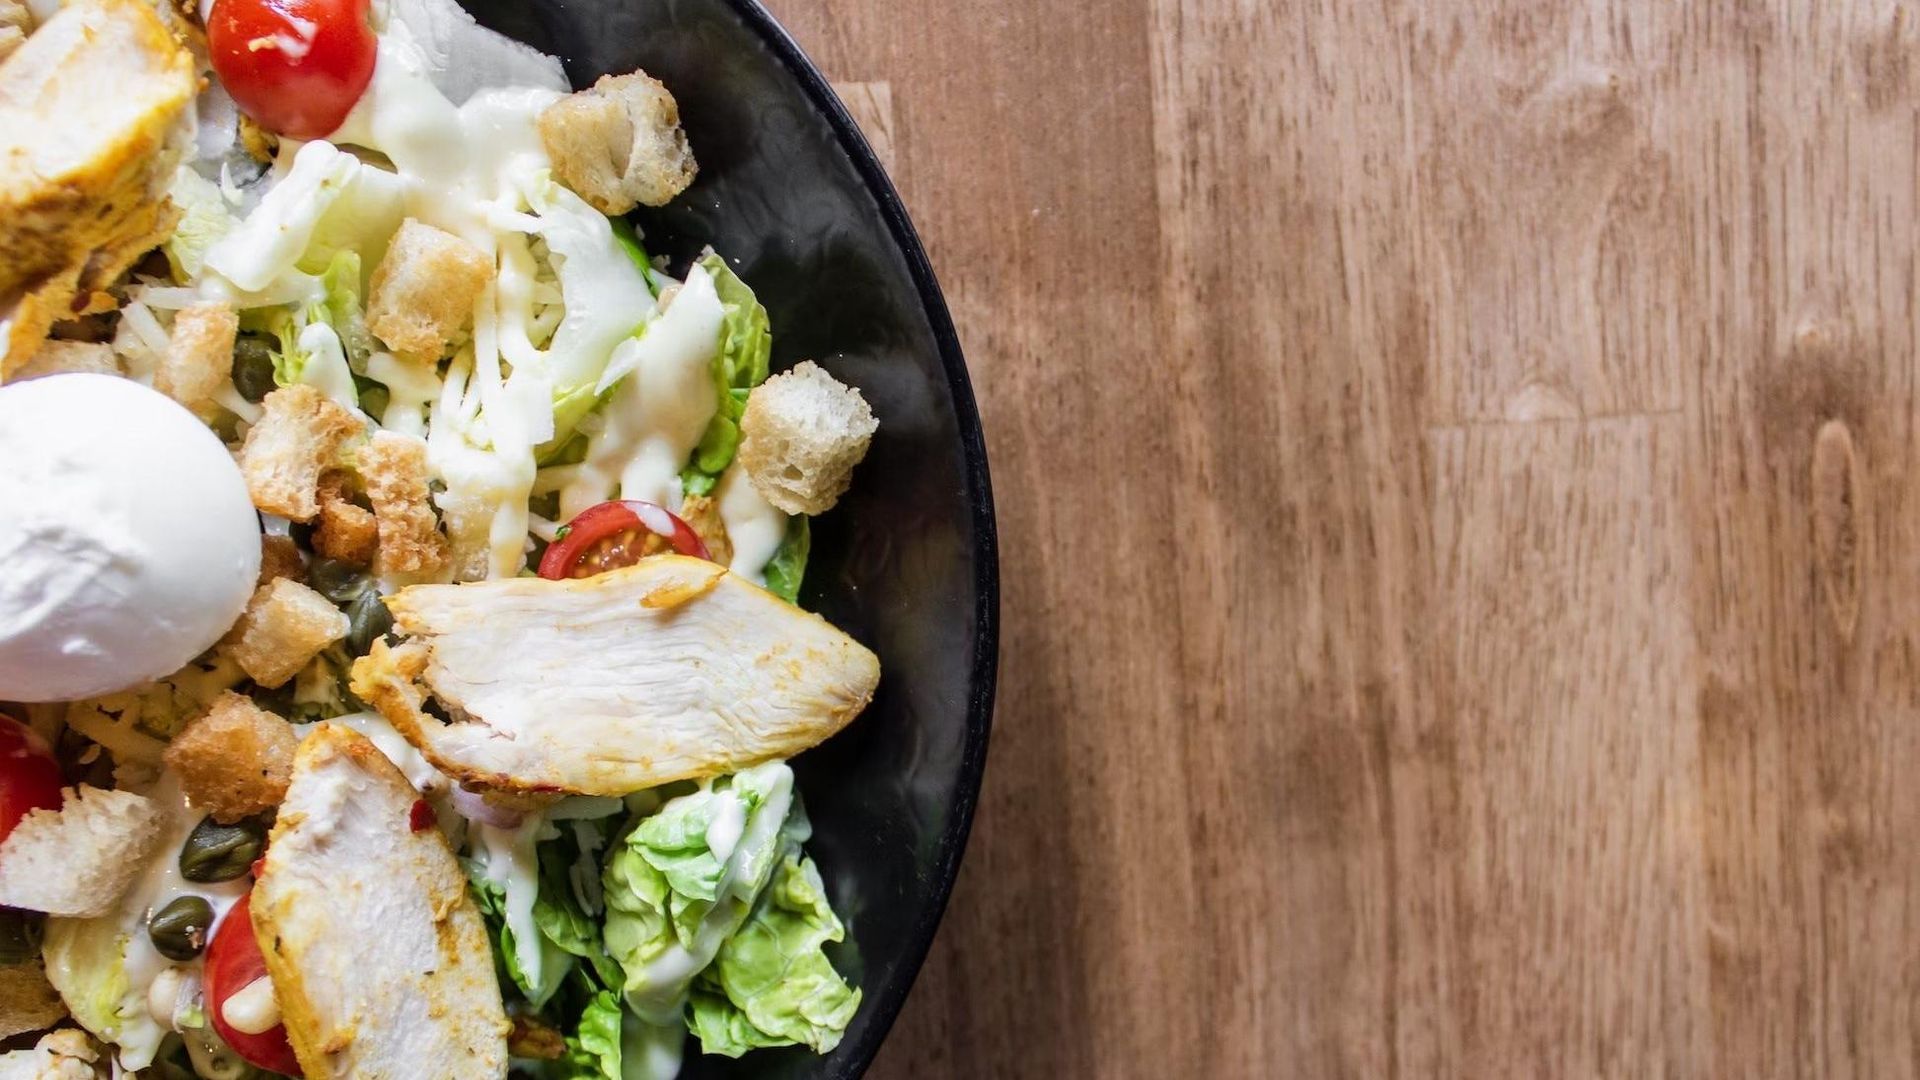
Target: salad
(400, 640)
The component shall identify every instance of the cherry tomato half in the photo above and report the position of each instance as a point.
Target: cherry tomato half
(233, 963)
(296, 66)
(29, 777)
(616, 534)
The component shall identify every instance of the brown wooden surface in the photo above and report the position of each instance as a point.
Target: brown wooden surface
(1456, 474)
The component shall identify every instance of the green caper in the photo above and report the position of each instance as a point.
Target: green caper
(373, 400)
(368, 620)
(338, 581)
(252, 367)
(179, 930)
(20, 933)
(216, 852)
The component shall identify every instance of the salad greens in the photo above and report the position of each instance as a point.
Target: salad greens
(703, 914)
(741, 364)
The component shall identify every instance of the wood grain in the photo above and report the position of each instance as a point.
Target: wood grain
(1456, 465)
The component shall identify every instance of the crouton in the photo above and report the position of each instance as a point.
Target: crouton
(423, 291)
(619, 143)
(345, 531)
(285, 625)
(280, 558)
(299, 435)
(394, 469)
(802, 434)
(61, 357)
(67, 1054)
(27, 1001)
(702, 513)
(199, 356)
(234, 761)
(77, 860)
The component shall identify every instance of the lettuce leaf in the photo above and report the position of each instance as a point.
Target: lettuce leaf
(555, 963)
(789, 562)
(204, 219)
(593, 1051)
(771, 983)
(746, 347)
(673, 898)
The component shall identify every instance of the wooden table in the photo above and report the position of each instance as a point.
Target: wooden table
(1457, 486)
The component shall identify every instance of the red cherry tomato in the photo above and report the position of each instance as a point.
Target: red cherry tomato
(296, 66)
(616, 534)
(29, 777)
(233, 963)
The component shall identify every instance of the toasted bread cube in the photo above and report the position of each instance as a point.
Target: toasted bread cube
(66, 1054)
(62, 357)
(394, 469)
(234, 761)
(199, 356)
(801, 436)
(299, 435)
(345, 530)
(280, 558)
(27, 1001)
(619, 144)
(285, 625)
(423, 291)
(702, 513)
(77, 860)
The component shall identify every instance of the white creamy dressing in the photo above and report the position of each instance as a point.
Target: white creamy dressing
(729, 821)
(253, 1009)
(405, 757)
(326, 367)
(161, 883)
(754, 526)
(508, 862)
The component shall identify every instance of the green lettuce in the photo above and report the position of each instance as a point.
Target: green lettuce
(556, 963)
(204, 218)
(593, 1051)
(86, 962)
(339, 309)
(672, 900)
(789, 562)
(746, 347)
(771, 983)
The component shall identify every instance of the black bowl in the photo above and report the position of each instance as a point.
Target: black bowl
(790, 193)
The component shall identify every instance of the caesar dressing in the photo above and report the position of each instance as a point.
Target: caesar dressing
(657, 414)
(754, 526)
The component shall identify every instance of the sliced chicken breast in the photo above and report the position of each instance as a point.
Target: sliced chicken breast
(669, 669)
(91, 107)
(379, 959)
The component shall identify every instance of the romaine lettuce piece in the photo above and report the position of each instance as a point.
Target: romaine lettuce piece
(772, 984)
(204, 219)
(684, 878)
(789, 562)
(86, 962)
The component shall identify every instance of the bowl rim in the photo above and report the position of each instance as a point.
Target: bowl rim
(979, 494)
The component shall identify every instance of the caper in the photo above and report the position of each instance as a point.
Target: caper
(373, 400)
(19, 936)
(368, 620)
(216, 852)
(338, 581)
(179, 930)
(252, 367)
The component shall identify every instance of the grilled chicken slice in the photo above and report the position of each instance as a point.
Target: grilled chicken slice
(379, 960)
(91, 107)
(669, 669)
